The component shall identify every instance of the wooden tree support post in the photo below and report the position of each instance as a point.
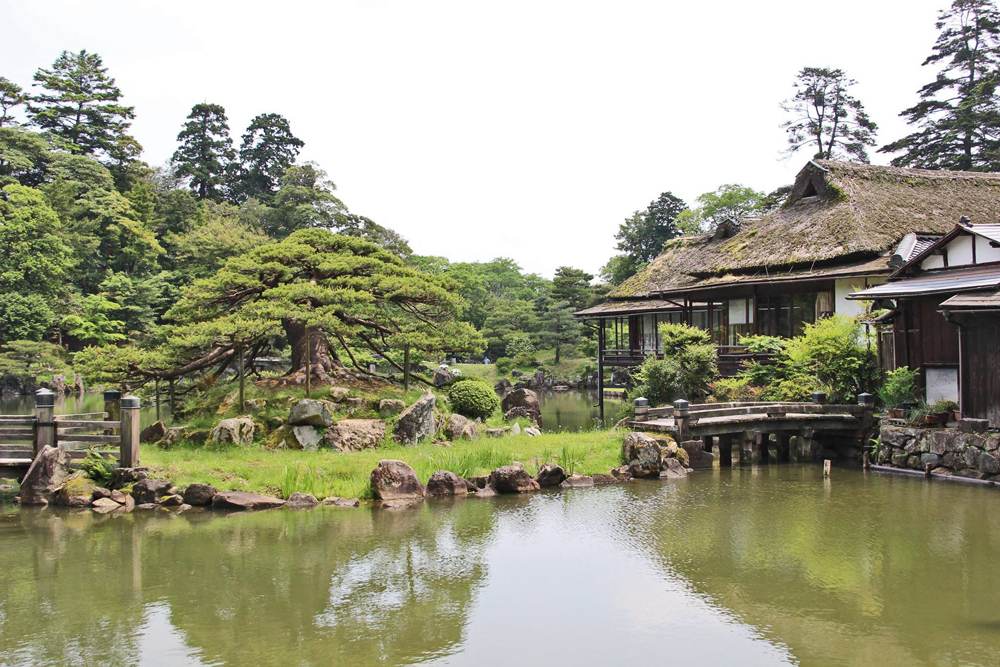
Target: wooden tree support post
(129, 453)
(706, 443)
(242, 381)
(156, 385)
(171, 398)
(112, 409)
(725, 450)
(406, 368)
(308, 363)
(682, 411)
(45, 425)
(746, 447)
(784, 448)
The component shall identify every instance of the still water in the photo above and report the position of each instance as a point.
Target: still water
(769, 566)
(67, 405)
(575, 410)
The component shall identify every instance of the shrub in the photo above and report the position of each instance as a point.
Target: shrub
(526, 360)
(473, 398)
(689, 364)
(831, 351)
(736, 389)
(98, 468)
(900, 387)
(504, 365)
(519, 343)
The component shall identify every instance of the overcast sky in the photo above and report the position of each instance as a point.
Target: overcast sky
(526, 129)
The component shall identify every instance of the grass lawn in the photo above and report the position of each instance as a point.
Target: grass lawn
(326, 473)
(567, 368)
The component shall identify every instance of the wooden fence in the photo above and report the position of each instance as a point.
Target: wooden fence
(114, 432)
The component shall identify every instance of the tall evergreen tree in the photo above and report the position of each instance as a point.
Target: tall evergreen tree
(958, 116)
(643, 234)
(572, 286)
(80, 105)
(11, 97)
(825, 115)
(268, 148)
(559, 330)
(205, 149)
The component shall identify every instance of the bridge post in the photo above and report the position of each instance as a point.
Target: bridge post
(45, 426)
(681, 419)
(761, 444)
(725, 450)
(784, 448)
(867, 403)
(641, 409)
(746, 447)
(806, 444)
(706, 441)
(113, 409)
(128, 455)
(819, 397)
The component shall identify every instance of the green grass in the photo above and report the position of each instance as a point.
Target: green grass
(327, 473)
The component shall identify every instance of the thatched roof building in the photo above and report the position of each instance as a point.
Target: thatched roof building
(840, 219)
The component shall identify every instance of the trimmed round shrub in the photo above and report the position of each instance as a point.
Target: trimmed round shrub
(472, 399)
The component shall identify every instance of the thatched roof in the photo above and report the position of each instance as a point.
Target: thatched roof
(837, 213)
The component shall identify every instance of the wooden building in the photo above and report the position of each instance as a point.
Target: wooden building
(943, 318)
(835, 234)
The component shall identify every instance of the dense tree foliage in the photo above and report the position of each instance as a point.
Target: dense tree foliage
(11, 97)
(828, 118)
(267, 150)
(957, 119)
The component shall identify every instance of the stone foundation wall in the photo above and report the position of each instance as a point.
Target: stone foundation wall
(947, 451)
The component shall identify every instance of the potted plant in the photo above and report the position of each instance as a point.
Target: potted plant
(946, 409)
(899, 393)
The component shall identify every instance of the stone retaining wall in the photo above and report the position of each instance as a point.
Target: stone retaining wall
(947, 451)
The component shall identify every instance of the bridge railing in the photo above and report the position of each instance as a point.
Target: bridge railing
(117, 427)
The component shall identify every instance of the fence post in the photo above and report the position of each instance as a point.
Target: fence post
(112, 408)
(45, 426)
(129, 453)
(819, 397)
(641, 409)
(682, 410)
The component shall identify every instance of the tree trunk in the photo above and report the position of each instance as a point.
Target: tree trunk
(322, 358)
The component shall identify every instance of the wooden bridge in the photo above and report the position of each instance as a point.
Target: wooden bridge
(114, 432)
(749, 425)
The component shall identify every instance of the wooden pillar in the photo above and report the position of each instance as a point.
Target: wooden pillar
(784, 448)
(746, 439)
(112, 409)
(600, 369)
(129, 452)
(156, 385)
(867, 403)
(641, 409)
(406, 369)
(170, 388)
(406, 372)
(45, 426)
(706, 443)
(242, 382)
(725, 450)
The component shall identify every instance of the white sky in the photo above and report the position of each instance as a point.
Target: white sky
(526, 129)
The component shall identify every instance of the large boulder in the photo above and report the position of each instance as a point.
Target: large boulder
(503, 386)
(301, 500)
(128, 477)
(388, 407)
(148, 490)
(337, 394)
(446, 483)
(354, 435)
(48, 472)
(642, 455)
(577, 481)
(199, 495)
(511, 479)
(672, 468)
(417, 421)
(173, 435)
(154, 432)
(311, 412)
(395, 480)
(550, 475)
(235, 430)
(442, 377)
(307, 437)
(77, 491)
(458, 427)
(697, 457)
(241, 500)
(523, 398)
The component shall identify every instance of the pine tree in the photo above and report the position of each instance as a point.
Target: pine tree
(828, 117)
(11, 97)
(268, 148)
(205, 150)
(80, 105)
(958, 116)
(643, 234)
(559, 329)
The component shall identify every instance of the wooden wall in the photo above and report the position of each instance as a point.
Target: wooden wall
(981, 367)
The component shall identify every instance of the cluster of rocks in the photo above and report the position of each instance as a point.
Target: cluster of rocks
(50, 481)
(396, 484)
(60, 385)
(542, 381)
(966, 451)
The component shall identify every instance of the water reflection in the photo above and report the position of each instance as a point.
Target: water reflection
(575, 410)
(762, 566)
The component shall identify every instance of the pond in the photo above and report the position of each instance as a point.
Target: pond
(74, 404)
(763, 566)
(575, 410)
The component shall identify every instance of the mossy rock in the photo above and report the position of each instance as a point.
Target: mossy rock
(682, 456)
(77, 491)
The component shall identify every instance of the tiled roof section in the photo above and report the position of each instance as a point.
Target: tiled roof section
(973, 301)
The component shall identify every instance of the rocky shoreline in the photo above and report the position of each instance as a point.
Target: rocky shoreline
(51, 482)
